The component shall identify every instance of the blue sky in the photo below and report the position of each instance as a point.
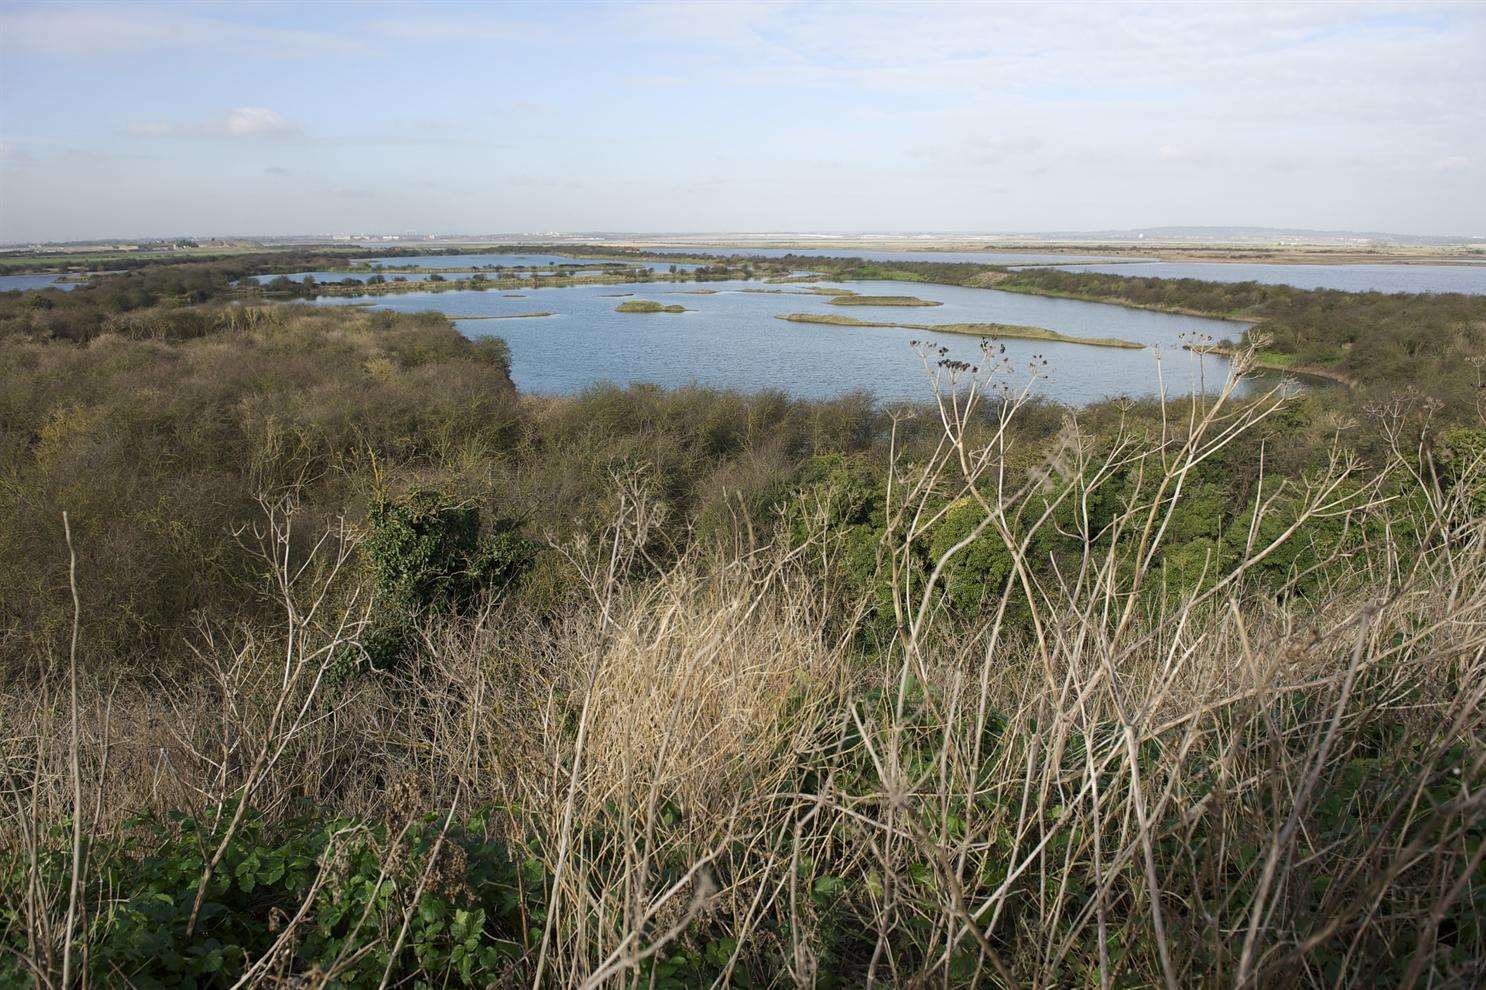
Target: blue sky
(126, 119)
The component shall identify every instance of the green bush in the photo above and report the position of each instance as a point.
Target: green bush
(427, 556)
(465, 924)
(978, 572)
(1460, 461)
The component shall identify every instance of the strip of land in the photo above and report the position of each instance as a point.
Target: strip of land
(503, 316)
(813, 290)
(1276, 361)
(852, 299)
(647, 306)
(1002, 330)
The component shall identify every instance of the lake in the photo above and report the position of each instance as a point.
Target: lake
(508, 260)
(334, 277)
(21, 283)
(1468, 278)
(978, 257)
(732, 339)
(465, 260)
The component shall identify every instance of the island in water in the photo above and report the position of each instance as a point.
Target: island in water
(852, 299)
(648, 306)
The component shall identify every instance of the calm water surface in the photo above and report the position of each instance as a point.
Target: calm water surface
(465, 260)
(20, 283)
(337, 277)
(981, 257)
(508, 260)
(731, 339)
(1470, 278)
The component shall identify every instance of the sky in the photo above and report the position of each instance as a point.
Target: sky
(137, 120)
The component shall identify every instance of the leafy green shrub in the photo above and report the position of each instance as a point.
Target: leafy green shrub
(1460, 460)
(426, 556)
(466, 920)
(978, 571)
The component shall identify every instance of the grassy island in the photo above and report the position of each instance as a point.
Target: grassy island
(647, 306)
(1003, 330)
(852, 299)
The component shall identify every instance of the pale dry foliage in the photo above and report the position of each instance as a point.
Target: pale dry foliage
(1095, 783)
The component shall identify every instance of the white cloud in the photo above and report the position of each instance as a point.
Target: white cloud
(255, 122)
(238, 122)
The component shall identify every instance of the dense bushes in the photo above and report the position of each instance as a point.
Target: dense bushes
(740, 765)
(162, 445)
(428, 559)
(732, 698)
(160, 450)
(457, 891)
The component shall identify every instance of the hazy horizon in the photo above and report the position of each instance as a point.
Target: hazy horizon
(140, 120)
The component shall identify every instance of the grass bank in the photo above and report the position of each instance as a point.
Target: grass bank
(648, 306)
(852, 299)
(506, 316)
(1006, 330)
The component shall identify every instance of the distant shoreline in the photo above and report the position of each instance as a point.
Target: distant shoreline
(1120, 253)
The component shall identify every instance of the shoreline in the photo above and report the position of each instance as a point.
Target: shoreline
(1309, 370)
(1007, 331)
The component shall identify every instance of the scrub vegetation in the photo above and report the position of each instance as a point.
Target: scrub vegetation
(348, 665)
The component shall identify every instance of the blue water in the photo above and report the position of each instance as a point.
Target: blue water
(1469, 278)
(465, 260)
(508, 260)
(732, 340)
(333, 277)
(403, 273)
(981, 257)
(360, 277)
(20, 283)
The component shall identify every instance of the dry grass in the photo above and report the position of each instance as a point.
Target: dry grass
(1092, 784)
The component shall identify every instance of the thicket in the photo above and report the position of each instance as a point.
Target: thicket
(163, 448)
(351, 665)
(1009, 706)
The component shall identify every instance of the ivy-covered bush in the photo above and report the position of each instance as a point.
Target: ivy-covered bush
(1460, 460)
(427, 554)
(351, 885)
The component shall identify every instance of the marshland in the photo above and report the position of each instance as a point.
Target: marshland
(332, 648)
(742, 496)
